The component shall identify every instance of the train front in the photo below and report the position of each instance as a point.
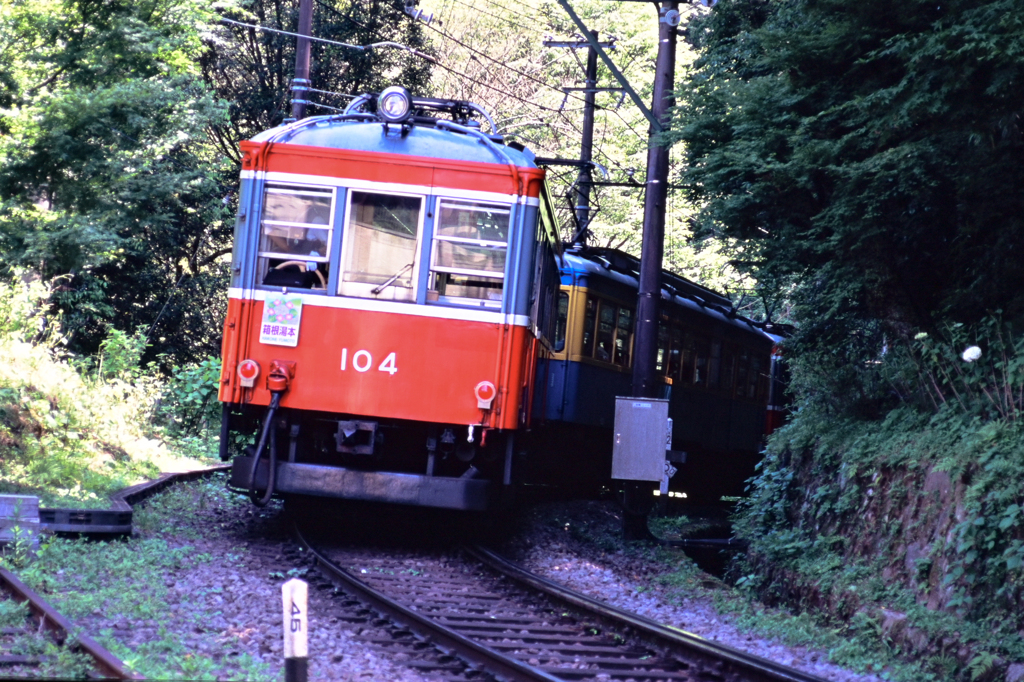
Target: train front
(385, 307)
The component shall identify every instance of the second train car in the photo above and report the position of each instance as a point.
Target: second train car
(403, 326)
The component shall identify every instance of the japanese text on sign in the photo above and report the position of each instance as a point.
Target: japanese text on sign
(282, 316)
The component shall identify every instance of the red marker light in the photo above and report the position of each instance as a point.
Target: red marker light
(485, 393)
(248, 370)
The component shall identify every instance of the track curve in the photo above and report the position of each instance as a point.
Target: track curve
(519, 626)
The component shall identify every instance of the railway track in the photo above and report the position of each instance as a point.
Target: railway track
(514, 625)
(44, 620)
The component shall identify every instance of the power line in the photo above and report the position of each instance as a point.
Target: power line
(500, 63)
(386, 43)
(512, 11)
(496, 16)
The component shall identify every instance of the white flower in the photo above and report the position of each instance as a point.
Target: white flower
(971, 354)
(920, 335)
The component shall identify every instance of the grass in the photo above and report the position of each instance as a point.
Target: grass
(72, 431)
(125, 581)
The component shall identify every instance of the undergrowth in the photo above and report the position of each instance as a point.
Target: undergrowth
(73, 430)
(900, 520)
(125, 583)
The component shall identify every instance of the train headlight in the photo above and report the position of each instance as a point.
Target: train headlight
(394, 104)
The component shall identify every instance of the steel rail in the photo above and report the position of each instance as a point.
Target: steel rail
(142, 491)
(116, 519)
(497, 664)
(107, 663)
(748, 663)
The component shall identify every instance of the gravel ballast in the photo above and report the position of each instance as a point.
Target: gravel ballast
(219, 597)
(577, 544)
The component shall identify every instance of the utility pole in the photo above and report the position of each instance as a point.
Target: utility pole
(637, 497)
(585, 178)
(645, 353)
(300, 84)
(586, 175)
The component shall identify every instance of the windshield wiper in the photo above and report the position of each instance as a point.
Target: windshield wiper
(391, 280)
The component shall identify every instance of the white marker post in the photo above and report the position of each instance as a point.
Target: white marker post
(296, 646)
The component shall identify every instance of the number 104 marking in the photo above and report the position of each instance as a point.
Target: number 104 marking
(362, 361)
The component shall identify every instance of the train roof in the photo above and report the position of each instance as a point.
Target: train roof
(625, 269)
(419, 138)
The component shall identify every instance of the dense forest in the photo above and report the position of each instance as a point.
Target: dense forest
(852, 169)
(866, 156)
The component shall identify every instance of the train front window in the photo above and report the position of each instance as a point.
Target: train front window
(468, 254)
(379, 253)
(295, 236)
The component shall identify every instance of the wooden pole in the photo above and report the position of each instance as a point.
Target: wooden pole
(300, 85)
(294, 595)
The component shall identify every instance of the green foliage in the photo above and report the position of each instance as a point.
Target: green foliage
(22, 302)
(18, 550)
(120, 356)
(253, 70)
(838, 500)
(105, 173)
(936, 370)
(68, 433)
(866, 155)
(12, 613)
(189, 404)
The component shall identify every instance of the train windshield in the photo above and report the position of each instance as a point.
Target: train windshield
(295, 236)
(379, 258)
(469, 249)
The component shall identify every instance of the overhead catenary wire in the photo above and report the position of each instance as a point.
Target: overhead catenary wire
(496, 16)
(372, 46)
(535, 79)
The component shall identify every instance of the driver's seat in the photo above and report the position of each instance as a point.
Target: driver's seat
(290, 276)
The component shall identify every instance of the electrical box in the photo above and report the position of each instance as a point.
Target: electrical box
(642, 435)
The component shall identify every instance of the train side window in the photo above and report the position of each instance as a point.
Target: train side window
(562, 320)
(675, 357)
(715, 366)
(661, 364)
(379, 254)
(468, 254)
(687, 369)
(742, 372)
(295, 236)
(623, 337)
(605, 332)
(760, 379)
(700, 371)
(589, 325)
(728, 371)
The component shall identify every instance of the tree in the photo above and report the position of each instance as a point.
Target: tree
(252, 70)
(106, 177)
(866, 154)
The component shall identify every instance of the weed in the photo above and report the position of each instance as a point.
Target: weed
(12, 614)
(18, 551)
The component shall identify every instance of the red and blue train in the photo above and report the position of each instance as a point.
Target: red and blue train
(405, 327)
